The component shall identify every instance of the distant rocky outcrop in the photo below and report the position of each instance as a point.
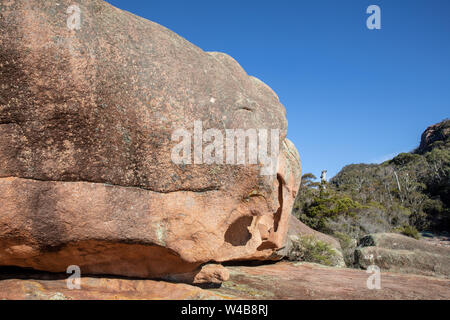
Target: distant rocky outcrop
(435, 136)
(398, 253)
(87, 178)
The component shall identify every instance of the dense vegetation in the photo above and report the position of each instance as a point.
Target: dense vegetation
(407, 194)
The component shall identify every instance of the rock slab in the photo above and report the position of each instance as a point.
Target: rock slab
(283, 280)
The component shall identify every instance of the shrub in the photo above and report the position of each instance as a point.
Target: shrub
(310, 249)
(409, 231)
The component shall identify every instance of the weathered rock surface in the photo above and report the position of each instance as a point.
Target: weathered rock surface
(439, 132)
(398, 253)
(278, 281)
(298, 230)
(86, 121)
(313, 282)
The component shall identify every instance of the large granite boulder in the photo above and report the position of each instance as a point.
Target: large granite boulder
(92, 103)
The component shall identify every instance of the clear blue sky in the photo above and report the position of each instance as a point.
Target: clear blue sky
(352, 95)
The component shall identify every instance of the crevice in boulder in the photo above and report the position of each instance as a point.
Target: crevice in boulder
(279, 212)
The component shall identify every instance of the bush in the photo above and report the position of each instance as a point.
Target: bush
(409, 231)
(310, 249)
